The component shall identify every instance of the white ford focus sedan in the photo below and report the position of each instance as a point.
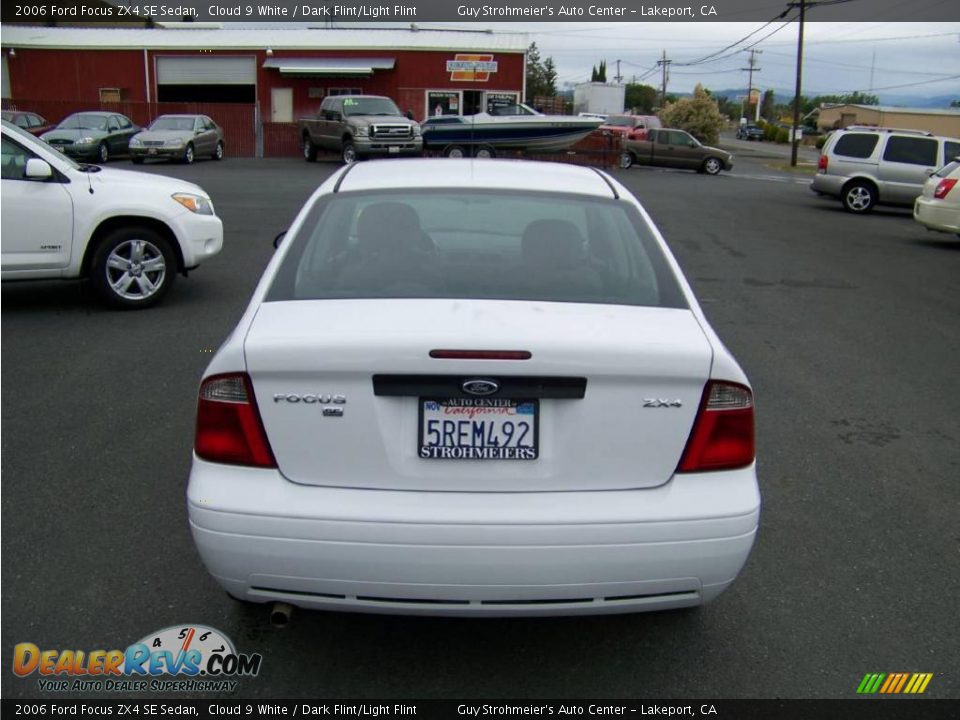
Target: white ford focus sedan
(474, 388)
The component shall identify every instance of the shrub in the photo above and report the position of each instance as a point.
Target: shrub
(698, 115)
(783, 135)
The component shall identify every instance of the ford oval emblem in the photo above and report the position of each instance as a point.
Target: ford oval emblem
(480, 387)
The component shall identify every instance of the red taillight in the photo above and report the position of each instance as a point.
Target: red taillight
(229, 429)
(945, 186)
(481, 354)
(822, 163)
(722, 436)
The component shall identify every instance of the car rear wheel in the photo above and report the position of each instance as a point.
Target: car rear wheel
(218, 152)
(188, 156)
(103, 153)
(348, 154)
(859, 197)
(712, 166)
(626, 160)
(133, 267)
(309, 149)
(455, 151)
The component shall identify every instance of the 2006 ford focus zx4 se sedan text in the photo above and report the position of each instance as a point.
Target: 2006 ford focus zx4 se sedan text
(474, 387)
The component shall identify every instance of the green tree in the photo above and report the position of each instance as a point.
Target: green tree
(955, 103)
(602, 72)
(698, 115)
(642, 98)
(541, 75)
(768, 110)
(549, 77)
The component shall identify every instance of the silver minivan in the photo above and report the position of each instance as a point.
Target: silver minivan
(864, 166)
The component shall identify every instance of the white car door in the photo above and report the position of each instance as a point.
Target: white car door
(37, 216)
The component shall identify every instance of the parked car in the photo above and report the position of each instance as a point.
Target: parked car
(749, 132)
(630, 127)
(128, 232)
(29, 121)
(178, 137)
(938, 207)
(864, 166)
(675, 149)
(474, 387)
(95, 136)
(360, 126)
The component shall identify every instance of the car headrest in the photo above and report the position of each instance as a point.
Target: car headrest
(552, 244)
(389, 227)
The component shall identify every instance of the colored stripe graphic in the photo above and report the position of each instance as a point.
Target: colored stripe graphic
(894, 683)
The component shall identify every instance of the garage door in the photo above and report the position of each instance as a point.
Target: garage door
(207, 79)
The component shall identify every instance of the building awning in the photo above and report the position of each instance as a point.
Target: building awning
(329, 67)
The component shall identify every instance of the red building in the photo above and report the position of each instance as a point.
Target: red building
(256, 83)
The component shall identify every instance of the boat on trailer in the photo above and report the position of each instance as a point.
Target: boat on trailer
(510, 128)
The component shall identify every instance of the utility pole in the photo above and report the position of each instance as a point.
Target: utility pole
(664, 65)
(795, 140)
(752, 69)
(619, 77)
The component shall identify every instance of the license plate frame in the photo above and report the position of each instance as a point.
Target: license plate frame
(527, 407)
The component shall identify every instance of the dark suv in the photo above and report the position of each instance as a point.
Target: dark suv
(749, 132)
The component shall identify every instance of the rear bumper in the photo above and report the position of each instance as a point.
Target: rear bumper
(266, 539)
(936, 216)
(828, 184)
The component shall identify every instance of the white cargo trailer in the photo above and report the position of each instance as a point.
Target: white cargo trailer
(598, 97)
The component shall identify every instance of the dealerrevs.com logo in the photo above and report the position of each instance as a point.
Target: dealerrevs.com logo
(179, 658)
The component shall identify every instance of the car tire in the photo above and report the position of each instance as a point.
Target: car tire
(348, 153)
(859, 197)
(625, 161)
(485, 152)
(712, 166)
(103, 153)
(188, 155)
(309, 149)
(454, 151)
(137, 161)
(218, 152)
(133, 267)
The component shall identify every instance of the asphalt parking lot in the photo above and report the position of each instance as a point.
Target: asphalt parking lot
(847, 326)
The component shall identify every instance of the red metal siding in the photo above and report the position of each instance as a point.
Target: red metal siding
(76, 74)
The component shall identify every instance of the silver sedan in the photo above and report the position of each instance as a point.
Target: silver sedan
(181, 138)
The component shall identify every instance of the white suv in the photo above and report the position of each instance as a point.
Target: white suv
(864, 166)
(128, 232)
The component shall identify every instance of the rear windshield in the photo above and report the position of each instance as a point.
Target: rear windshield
(856, 145)
(477, 245)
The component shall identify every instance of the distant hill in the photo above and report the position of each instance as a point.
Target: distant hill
(783, 97)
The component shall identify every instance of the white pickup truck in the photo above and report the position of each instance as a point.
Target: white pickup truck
(128, 232)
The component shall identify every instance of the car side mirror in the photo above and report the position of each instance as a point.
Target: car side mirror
(38, 169)
(409, 114)
(279, 239)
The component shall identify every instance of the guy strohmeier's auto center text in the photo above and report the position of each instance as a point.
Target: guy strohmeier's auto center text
(364, 11)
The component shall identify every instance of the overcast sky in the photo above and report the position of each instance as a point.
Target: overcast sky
(838, 57)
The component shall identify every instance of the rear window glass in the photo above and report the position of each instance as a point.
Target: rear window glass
(477, 245)
(948, 168)
(914, 151)
(856, 145)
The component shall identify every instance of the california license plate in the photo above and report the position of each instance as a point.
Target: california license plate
(478, 429)
(394, 149)
(152, 151)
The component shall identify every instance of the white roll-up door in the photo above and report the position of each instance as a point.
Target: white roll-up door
(207, 70)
